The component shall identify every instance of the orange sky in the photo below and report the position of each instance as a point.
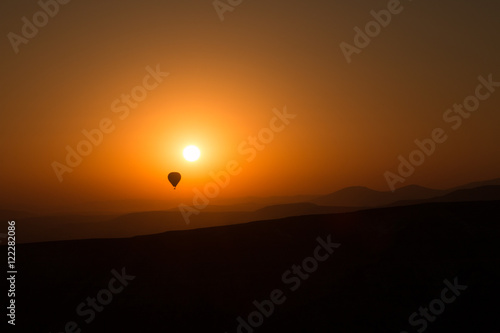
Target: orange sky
(225, 78)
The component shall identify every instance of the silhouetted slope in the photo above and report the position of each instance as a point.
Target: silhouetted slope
(305, 208)
(67, 227)
(483, 193)
(491, 182)
(391, 262)
(359, 196)
(121, 207)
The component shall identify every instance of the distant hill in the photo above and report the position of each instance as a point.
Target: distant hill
(38, 228)
(261, 202)
(66, 227)
(305, 208)
(356, 196)
(216, 204)
(359, 196)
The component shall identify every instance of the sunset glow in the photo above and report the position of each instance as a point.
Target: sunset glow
(191, 153)
(126, 119)
(187, 166)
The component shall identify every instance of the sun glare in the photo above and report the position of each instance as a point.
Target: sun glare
(191, 153)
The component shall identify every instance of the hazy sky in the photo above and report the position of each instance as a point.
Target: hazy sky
(225, 78)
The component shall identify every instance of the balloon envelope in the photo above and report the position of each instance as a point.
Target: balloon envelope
(174, 178)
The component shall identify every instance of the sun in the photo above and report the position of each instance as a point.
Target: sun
(191, 153)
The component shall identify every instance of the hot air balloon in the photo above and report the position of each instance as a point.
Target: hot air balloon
(174, 178)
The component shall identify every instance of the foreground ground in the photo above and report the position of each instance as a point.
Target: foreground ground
(385, 265)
